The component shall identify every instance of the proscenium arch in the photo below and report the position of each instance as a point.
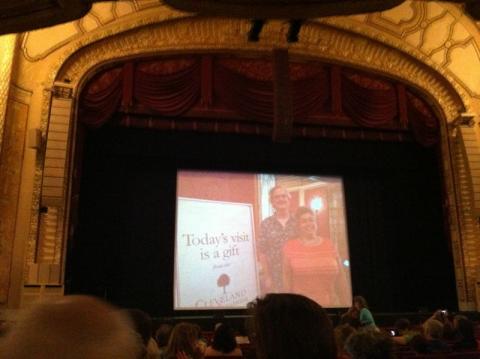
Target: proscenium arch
(317, 42)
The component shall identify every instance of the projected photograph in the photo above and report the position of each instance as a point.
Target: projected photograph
(242, 235)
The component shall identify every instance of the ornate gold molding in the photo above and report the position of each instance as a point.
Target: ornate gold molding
(7, 52)
(376, 55)
(111, 18)
(37, 187)
(318, 41)
(375, 26)
(425, 21)
(11, 160)
(161, 14)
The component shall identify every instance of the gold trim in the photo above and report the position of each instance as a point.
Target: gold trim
(318, 41)
(453, 207)
(11, 158)
(7, 53)
(116, 19)
(376, 27)
(373, 26)
(30, 256)
(141, 18)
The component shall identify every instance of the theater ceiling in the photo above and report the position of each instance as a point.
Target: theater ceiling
(437, 33)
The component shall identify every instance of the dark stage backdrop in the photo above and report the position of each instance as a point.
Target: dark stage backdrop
(122, 249)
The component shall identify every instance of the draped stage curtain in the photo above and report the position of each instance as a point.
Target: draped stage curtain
(423, 122)
(251, 98)
(245, 87)
(101, 98)
(368, 102)
(168, 87)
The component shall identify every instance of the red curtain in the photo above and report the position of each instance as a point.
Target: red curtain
(310, 95)
(101, 98)
(168, 88)
(423, 122)
(248, 97)
(253, 98)
(368, 102)
(173, 86)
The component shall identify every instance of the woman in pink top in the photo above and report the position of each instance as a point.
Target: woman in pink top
(311, 265)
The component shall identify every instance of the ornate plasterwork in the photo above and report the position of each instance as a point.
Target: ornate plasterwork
(36, 45)
(362, 51)
(11, 158)
(7, 47)
(37, 187)
(163, 16)
(318, 41)
(436, 34)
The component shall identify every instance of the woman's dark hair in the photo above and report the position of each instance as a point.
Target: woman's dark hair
(361, 301)
(301, 211)
(224, 339)
(142, 324)
(292, 326)
(162, 335)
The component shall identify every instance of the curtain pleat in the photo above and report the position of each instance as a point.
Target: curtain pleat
(367, 103)
(250, 98)
(172, 87)
(101, 98)
(423, 123)
(170, 94)
(310, 95)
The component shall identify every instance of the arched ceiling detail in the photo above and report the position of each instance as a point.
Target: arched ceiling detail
(38, 44)
(439, 35)
(318, 42)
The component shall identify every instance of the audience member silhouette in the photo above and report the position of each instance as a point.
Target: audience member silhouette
(365, 316)
(369, 345)
(72, 327)
(162, 335)
(142, 323)
(342, 333)
(443, 317)
(465, 333)
(183, 342)
(292, 326)
(350, 317)
(223, 343)
(433, 335)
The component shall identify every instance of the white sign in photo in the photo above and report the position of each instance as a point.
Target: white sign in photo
(215, 255)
